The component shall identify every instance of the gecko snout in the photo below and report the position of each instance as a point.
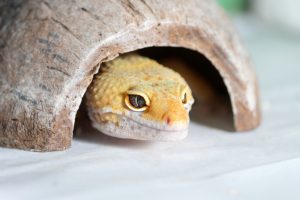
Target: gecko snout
(175, 116)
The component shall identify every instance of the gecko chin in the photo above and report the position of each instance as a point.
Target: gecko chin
(132, 127)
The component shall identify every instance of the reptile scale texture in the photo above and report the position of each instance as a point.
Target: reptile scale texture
(135, 97)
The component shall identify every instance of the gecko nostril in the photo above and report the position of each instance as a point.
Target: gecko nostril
(168, 120)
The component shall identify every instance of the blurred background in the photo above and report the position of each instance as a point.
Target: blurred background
(283, 14)
(270, 30)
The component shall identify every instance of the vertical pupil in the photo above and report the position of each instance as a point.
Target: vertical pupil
(137, 101)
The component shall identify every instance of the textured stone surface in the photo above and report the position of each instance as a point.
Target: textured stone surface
(50, 50)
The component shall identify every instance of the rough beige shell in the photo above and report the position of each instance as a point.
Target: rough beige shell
(50, 50)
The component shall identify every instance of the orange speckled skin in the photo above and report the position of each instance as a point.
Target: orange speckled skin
(132, 72)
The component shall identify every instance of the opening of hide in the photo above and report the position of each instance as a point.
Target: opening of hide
(212, 105)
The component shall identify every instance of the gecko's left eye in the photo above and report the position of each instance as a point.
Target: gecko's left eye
(137, 102)
(184, 97)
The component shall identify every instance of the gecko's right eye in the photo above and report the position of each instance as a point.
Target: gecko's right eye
(184, 99)
(137, 102)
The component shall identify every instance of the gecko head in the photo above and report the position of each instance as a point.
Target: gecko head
(162, 107)
(150, 111)
(137, 98)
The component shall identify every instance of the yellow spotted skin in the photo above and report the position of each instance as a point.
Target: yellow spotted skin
(164, 87)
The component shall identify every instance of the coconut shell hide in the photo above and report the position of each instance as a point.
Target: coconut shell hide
(50, 50)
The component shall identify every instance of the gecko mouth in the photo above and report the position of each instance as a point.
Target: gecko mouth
(134, 127)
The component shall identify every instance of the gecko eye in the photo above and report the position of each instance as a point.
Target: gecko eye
(137, 102)
(184, 97)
